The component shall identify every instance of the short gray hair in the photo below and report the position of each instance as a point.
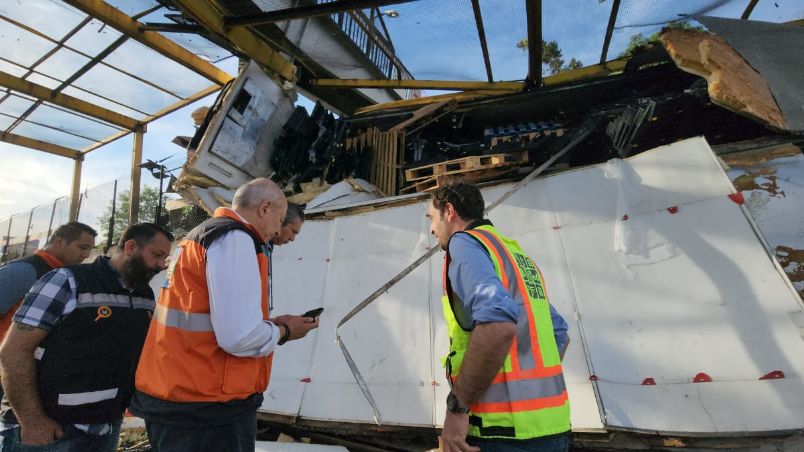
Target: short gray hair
(252, 193)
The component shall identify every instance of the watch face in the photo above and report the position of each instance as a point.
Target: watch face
(454, 405)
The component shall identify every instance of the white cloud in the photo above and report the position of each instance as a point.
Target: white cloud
(31, 178)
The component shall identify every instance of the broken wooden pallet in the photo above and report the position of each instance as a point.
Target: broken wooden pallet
(462, 165)
(386, 154)
(482, 175)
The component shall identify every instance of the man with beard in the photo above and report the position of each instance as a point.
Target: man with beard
(68, 361)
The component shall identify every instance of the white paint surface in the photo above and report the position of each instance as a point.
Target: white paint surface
(661, 295)
(270, 446)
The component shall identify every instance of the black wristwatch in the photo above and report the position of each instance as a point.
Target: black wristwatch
(454, 405)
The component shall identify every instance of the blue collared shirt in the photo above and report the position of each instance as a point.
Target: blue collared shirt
(474, 280)
(15, 280)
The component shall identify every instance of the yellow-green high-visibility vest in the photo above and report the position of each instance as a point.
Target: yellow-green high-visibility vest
(528, 397)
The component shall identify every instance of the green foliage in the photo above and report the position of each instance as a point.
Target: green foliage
(148, 202)
(552, 57)
(639, 40)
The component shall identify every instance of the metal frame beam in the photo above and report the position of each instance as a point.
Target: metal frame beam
(585, 73)
(111, 16)
(167, 110)
(749, 9)
(615, 9)
(481, 33)
(210, 15)
(83, 90)
(75, 193)
(59, 45)
(534, 12)
(136, 173)
(300, 12)
(457, 85)
(72, 103)
(38, 145)
(83, 70)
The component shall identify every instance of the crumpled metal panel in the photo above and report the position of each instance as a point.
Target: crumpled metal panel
(659, 273)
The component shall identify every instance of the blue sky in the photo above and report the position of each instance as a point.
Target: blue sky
(435, 39)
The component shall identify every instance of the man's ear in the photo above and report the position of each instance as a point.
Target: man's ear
(130, 247)
(449, 211)
(265, 207)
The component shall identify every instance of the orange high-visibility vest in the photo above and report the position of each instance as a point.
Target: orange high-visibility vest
(181, 360)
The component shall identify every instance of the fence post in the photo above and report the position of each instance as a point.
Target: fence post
(50, 225)
(8, 239)
(110, 234)
(27, 233)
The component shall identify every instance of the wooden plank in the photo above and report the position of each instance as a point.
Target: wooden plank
(419, 114)
(482, 175)
(464, 164)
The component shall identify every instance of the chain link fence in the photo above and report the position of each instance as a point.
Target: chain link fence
(105, 208)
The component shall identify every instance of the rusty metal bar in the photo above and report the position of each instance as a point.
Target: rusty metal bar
(481, 33)
(534, 12)
(615, 9)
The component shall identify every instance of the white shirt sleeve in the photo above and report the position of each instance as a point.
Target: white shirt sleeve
(234, 283)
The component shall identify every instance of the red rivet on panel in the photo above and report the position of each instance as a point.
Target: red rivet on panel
(737, 198)
(774, 375)
(702, 378)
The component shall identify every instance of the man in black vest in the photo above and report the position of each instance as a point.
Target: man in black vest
(68, 362)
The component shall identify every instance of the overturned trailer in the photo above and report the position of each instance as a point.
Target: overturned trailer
(686, 329)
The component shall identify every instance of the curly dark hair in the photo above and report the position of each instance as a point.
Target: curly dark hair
(465, 199)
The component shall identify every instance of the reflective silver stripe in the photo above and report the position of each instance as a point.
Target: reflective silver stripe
(82, 398)
(529, 389)
(86, 300)
(524, 352)
(187, 321)
(143, 303)
(39, 352)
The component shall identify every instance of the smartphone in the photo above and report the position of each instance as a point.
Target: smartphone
(313, 313)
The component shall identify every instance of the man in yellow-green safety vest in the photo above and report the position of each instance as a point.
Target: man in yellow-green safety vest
(506, 341)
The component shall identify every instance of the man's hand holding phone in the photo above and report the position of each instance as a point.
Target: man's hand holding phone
(293, 327)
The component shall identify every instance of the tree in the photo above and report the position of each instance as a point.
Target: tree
(552, 57)
(639, 40)
(148, 202)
